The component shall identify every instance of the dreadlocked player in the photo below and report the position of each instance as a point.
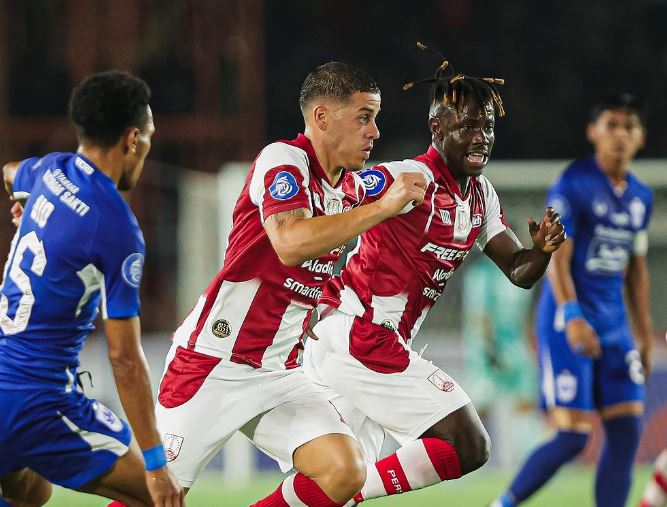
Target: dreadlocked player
(371, 313)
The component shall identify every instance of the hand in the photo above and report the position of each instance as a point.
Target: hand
(408, 188)
(17, 213)
(548, 235)
(164, 489)
(646, 356)
(582, 338)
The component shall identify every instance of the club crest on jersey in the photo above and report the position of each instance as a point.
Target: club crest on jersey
(221, 328)
(441, 380)
(172, 446)
(374, 181)
(107, 417)
(566, 386)
(476, 220)
(389, 325)
(133, 266)
(284, 186)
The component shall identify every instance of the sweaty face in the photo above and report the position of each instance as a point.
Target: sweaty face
(134, 159)
(616, 135)
(465, 138)
(352, 129)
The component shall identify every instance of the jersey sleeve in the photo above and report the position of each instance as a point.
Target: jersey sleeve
(280, 180)
(641, 210)
(562, 197)
(26, 176)
(494, 220)
(376, 181)
(120, 253)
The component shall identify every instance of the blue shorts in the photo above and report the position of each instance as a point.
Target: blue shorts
(65, 437)
(573, 381)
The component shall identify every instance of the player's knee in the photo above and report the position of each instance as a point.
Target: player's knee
(346, 476)
(571, 443)
(35, 493)
(474, 451)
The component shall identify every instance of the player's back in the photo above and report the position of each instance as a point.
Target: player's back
(607, 226)
(74, 222)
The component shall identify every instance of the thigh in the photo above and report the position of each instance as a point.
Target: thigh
(24, 487)
(66, 438)
(405, 402)
(566, 378)
(294, 421)
(619, 375)
(199, 408)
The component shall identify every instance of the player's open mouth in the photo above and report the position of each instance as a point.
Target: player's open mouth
(477, 159)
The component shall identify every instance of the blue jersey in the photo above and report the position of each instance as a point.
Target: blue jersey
(78, 248)
(608, 226)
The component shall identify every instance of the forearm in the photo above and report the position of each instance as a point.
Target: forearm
(301, 240)
(528, 267)
(134, 390)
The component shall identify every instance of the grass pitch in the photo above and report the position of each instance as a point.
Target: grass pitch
(573, 487)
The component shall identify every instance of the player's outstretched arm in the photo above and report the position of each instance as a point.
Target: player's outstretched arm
(637, 286)
(134, 389)
(296, 236)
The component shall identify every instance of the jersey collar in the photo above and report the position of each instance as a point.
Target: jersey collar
(304, 143)
(433, 159)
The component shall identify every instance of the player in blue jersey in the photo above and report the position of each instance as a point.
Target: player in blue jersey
(78, 247)
(590, 362)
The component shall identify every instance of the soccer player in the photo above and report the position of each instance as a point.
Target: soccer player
(587, 353)
(233, 364)
(655, 493)
(78, 246)
(370, 315)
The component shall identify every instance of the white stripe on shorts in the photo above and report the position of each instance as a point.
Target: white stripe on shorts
(97, 441)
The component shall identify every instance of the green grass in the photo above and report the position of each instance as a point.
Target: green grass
(573, 487)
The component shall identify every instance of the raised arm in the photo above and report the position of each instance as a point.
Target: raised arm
(8, 174)
(522, 266)
(134, 389)
(297, 236)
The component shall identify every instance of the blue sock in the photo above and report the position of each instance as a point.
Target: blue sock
(614, 473)
(543, 464)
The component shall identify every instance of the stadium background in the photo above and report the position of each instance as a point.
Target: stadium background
(225, 76)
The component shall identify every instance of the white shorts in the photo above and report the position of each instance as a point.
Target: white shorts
(404, 403)
(203, 400)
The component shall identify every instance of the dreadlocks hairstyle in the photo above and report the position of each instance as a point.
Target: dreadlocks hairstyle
(335, 80)
(452, 89)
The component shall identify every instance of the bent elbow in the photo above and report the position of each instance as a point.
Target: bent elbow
(288, 256)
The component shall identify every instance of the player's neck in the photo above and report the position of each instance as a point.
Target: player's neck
(461, 179)
(332, 170)
(105, 159)
(614, 168)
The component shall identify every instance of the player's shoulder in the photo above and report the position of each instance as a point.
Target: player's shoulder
(397, 167)
(639, 187)
(282, 153)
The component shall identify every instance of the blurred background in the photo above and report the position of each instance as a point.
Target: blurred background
(225, 76)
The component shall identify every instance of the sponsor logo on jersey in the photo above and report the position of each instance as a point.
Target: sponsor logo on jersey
(172, 445)
(315, 266)
(334, 206)
(446, 217)
(431, 293)
(442, 275)
(221, 328)
(395, 481)
(284, 186)
(374, 181)
(476, 220)
(444, 253)
(106, 416)
(303, 290)
(566, 386)
(441, 380)
(132, 268)
(600, 208)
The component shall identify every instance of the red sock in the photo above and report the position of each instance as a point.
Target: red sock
(414, 466)
(297, 491)
(116, 503)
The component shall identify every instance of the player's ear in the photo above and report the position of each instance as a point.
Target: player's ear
(590, 133)
(320, 117)
(132, 139)
(435, 128)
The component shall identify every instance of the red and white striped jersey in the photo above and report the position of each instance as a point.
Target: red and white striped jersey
(400, 267)
(255, 310)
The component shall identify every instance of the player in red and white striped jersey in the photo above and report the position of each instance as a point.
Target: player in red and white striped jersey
(371, 313)
(233, 363)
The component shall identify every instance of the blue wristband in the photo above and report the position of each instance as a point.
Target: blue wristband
(572, 310)
(154, 458)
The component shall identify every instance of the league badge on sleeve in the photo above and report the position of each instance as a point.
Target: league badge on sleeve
(133, 266)
(374, 181)
(284, 186)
